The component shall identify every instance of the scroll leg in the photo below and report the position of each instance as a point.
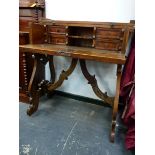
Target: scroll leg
(115, 105)
(34, 94)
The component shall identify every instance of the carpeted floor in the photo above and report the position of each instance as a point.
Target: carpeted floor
(64, 126)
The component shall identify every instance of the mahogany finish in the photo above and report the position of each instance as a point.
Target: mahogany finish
(29, 11)
(96, 41)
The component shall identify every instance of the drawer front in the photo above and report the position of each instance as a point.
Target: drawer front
(109, 33)
(112, 45)
(58, 39)
(58, 29)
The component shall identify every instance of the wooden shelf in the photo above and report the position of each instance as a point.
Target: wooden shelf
(29, 7)
(81, 37)
(57, 33)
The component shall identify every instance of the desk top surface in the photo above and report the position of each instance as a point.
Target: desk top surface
(75, 52)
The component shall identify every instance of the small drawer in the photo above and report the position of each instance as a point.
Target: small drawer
(112, 45)
(109, 33)
(58, 39)
(58, 29)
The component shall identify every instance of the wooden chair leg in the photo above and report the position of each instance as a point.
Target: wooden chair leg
(115, 105)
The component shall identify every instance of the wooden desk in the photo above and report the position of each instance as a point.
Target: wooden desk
(104, 42)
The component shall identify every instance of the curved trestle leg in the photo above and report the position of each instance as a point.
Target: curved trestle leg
(112, 101)
(35, 94)
(32, 99)
(46, 86)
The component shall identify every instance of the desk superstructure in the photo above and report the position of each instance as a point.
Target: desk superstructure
(81, 41)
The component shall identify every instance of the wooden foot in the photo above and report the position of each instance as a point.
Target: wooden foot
(34, 102)
(112, 133)
(115, 105)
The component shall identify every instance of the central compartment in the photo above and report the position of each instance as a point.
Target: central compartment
(80, 36)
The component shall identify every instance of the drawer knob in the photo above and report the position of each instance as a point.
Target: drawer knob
(123, 30)
(119, 48)
(60, 51)
(33, 56)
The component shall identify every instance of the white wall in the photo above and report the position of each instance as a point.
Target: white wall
(86, 10)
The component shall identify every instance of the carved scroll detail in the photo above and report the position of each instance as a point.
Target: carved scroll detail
(93, 82)
(63, 76)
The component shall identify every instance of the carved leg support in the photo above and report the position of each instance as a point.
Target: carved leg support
(112, 101)
(93, 82)
(46, 86)
(35, 94)
(33, 99)
(63, 76)
(115, 106)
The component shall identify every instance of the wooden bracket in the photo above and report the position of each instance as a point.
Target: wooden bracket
(63, 76)
(93, 82)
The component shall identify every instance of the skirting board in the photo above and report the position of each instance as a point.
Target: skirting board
(80, 98)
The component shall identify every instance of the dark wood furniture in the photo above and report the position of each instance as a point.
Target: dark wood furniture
(29, 11)
(81, 41)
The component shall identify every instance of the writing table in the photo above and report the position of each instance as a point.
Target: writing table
(81, 41)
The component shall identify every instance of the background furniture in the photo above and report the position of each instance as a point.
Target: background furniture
(29, 11)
